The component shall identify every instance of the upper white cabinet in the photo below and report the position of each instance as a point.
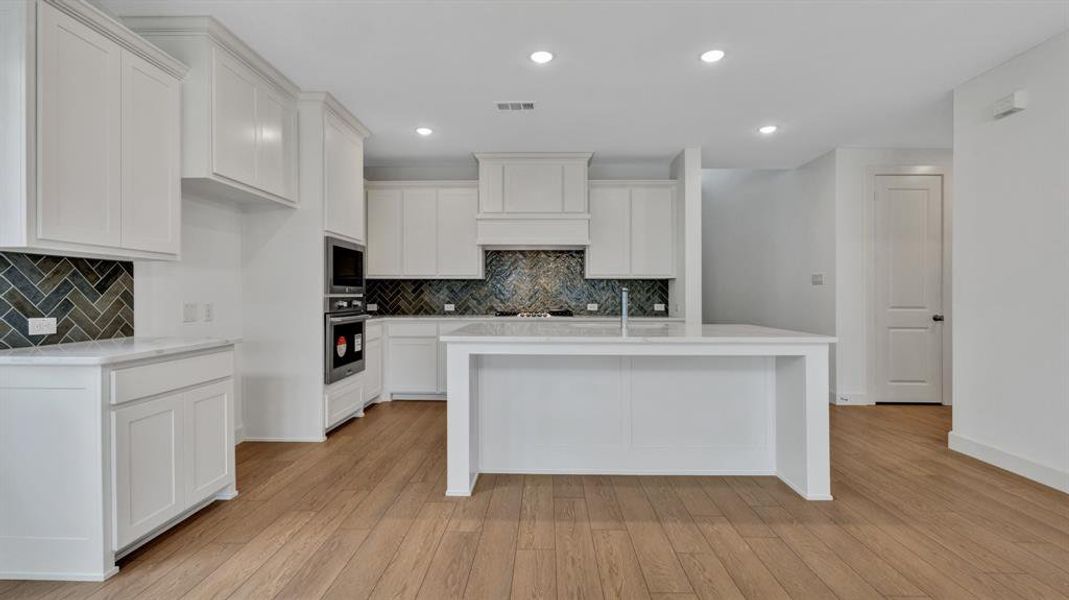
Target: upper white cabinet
(423, 230)
(533, 199)
(239, 113)
(106, 179)
(632, 230)
(332, 152)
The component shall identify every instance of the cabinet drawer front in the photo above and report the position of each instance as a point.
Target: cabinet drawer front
(157, 378)
(413, 329)
(373, 331)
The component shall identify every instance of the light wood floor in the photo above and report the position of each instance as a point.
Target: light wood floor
(363, 515)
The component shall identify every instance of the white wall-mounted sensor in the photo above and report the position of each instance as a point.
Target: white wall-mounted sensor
(1006, 106)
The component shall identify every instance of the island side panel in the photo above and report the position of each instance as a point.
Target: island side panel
(818, 439)
(802, 452)
(461, 422)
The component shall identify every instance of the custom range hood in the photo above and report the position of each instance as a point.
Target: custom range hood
(533, 200)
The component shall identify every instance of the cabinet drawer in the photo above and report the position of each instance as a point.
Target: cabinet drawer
(344, 399)
(156, 378)
(373, 331)
(423, 329)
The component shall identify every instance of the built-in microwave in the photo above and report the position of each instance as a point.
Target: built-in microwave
(346, 265)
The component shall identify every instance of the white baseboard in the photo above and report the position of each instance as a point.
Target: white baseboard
(848, 399)
(1024, 467)
(256, 438)
(58, 576)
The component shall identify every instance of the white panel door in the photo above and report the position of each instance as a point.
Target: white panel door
(343, 181)
(420, 239)
(412, 364)
(458, 253)
(373, 369)
(209, 442)
(610, 216)
(150, 476)
(274, 136)
(652, 223)
(909, 288)
(235, 129)
(384, 233)
(151, 178)
(79, 132)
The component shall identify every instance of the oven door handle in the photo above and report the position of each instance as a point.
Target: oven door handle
(344, 320)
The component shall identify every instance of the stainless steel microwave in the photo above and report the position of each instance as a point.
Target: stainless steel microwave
(346, 265)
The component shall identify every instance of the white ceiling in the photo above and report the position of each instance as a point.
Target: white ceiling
(626, 83)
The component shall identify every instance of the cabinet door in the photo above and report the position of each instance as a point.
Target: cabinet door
(412, 365)
(343, 180)
(151, 181)
(79, 132)
(652, 223)
(384, 233)
(458, 254)
(274, 143)
(610, 225)
(344, 399)
(419, 254)
(373, 370)
(148, 440)
(209, 439)
(234, 125)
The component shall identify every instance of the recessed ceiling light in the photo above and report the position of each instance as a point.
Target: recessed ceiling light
(767, 129)
(424, 131)
(712, 56)
(541, 57)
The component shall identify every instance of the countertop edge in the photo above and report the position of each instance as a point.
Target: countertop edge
(117, 357)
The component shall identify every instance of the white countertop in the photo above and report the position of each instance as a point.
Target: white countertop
(558, 331)
(577, 318)
(103, 352)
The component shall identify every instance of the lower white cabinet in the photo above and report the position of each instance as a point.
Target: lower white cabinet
(171, 453)
(344, 399)
(373, 357)
(412, 366)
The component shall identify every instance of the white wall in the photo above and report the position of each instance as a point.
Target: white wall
(1011, 268)
(854, 231)
(209, 272)
(764, 234)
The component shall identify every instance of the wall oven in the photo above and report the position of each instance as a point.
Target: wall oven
(345, 322)
(346, 265)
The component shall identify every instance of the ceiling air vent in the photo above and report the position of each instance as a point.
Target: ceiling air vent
(514, 106)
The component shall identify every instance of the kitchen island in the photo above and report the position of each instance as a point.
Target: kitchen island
(668, 399)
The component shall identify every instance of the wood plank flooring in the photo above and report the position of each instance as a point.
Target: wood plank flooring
(364, 516)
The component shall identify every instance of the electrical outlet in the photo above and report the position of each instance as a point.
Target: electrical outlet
(42, 326)
(450, 307)
(817, 279)
(209, 312)
(189, 312)
(591, 307)
(372, 307)
(658, 308)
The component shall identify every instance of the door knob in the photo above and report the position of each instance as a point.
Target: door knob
(937, 318)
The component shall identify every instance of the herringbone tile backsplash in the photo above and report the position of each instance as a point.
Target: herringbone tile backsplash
(90, 299)
(518, 280)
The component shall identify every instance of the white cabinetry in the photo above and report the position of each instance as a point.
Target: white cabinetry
(423, 230)
(373, 364)
(344, 399)
(239, 128)
(632, 230)
(533, 199)
(106, 180)
(343, 177)
(412, 358)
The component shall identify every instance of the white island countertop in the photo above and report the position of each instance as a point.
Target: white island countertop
(558, 331)
(104, 352)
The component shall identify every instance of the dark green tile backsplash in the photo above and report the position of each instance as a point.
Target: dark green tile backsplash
(90, 299)
(518, 280)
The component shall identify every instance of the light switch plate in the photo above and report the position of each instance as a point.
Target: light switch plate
(817, 279)
(372, 307)
(591, 307)
(209, 312)
(189, 312)
(658, 308)
(42, 326)
(450, 307)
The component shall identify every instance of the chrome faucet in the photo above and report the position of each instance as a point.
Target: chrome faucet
(624, 307)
